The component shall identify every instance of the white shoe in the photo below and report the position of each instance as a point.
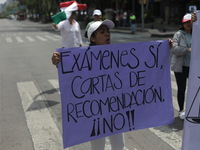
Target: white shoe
(182, 115)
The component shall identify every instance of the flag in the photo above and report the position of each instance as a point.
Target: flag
(65, 5)
(66, 10)
(58, 17)
(73, 5)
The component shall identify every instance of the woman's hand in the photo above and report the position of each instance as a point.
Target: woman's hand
(55, 58)
(54, 26)
(194, 17)
(171, 43)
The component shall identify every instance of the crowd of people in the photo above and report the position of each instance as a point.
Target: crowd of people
(98, 33)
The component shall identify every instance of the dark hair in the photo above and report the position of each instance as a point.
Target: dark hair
(92, 35)
(182, 28)
(73, 12)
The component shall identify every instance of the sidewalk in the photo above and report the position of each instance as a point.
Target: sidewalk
(154, 29)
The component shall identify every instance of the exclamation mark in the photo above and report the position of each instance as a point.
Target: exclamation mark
(98, 129)
(93, 133)
(96, 122)
(133, 118)
(130, 116)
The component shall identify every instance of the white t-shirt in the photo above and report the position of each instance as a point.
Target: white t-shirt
(71, 34)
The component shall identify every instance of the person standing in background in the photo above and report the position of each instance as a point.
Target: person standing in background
(70, 32)
(180, 61)
(133, 23)
(97, 15)
(125, 18)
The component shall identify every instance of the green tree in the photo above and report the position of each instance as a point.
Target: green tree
(42, 8)
(10, 9)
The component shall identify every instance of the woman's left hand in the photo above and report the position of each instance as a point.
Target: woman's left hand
(55, 58)
(171, 43)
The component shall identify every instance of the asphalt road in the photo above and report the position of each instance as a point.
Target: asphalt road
(30, 117)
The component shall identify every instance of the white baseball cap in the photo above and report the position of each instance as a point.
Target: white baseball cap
(97, 12)
(186, 18)
(94, 26)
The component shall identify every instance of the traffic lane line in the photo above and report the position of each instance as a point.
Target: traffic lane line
(44, 132)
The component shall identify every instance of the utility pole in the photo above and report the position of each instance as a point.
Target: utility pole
(142, 14)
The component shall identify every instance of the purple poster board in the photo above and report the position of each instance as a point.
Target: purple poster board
(191, 131)
(116, 88)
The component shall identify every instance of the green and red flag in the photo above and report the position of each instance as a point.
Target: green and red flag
(66, 9)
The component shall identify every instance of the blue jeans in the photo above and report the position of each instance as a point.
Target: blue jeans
(133, 27)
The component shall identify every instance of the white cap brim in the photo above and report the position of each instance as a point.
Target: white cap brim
(97, 12)
(94, 26)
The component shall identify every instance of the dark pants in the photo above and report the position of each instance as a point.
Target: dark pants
(181, 80)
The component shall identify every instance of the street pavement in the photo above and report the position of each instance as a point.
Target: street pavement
(40, 97)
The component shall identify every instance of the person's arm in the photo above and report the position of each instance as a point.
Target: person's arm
(179, 48)
(58, 26)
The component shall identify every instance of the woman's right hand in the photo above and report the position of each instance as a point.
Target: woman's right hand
(194, 17)
(55, 58)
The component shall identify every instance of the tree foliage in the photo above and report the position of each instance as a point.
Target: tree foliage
(10, 9)
(41, 8)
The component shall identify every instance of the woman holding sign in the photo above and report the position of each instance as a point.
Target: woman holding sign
(180, 61)
(99, 34)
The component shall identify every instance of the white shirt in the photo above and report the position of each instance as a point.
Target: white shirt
(71, 34)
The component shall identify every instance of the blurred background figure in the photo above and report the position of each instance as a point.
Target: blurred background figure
(70, 32)
(97, 16)
(133, 23)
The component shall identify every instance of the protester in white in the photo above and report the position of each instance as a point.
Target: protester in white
(125, 18)
(70, 32)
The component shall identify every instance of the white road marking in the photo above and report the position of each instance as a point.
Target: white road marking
(54, 83)
(52, 38)
(169, 136)
(30, 38)
(19, 39)
(41, 38)
(57, 36)
(46, 37)
(164, 132)
(45, 134)
(9, 40)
